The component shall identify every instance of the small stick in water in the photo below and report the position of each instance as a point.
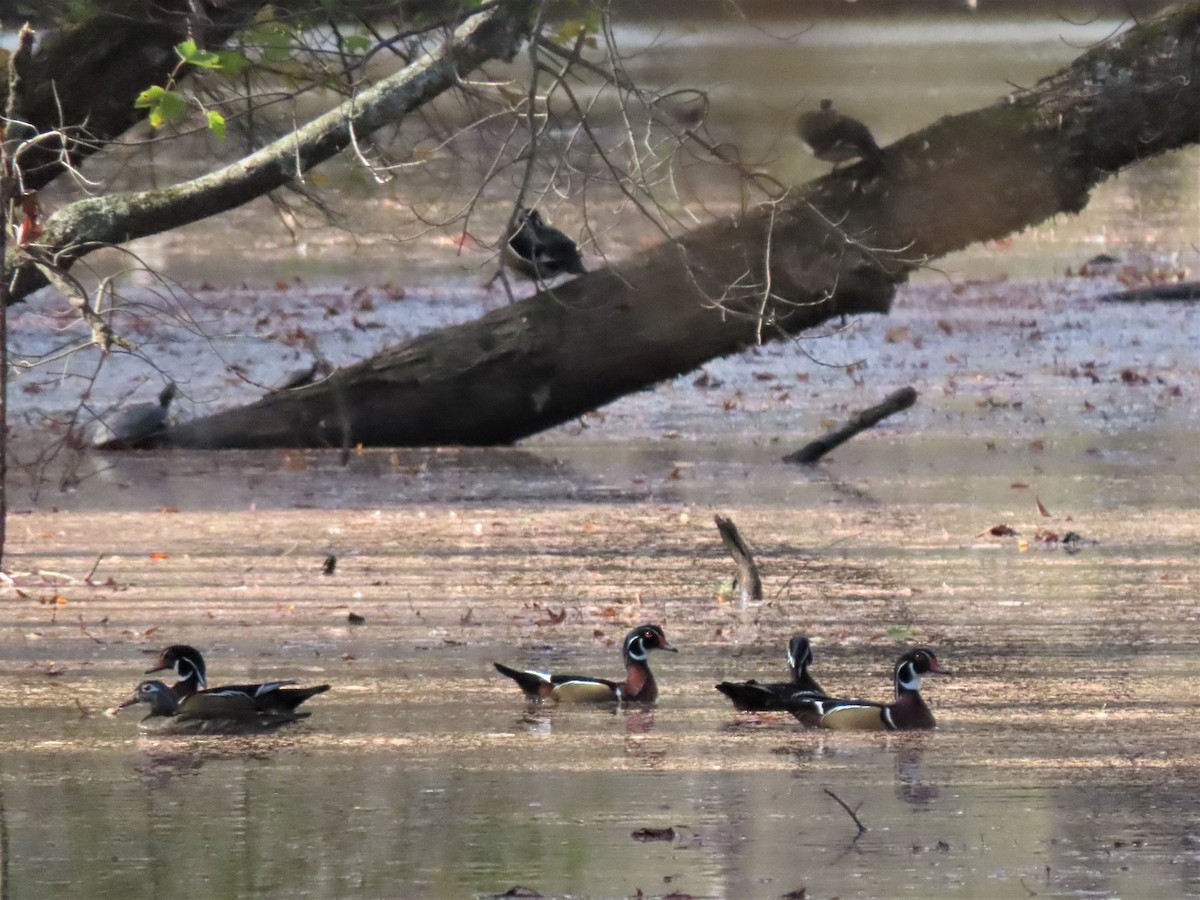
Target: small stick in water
(868, 418)
(747, 584)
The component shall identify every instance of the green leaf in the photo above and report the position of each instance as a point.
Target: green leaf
(164, 106)
(216, 124)
(273, 41)
(194, 56)
(357, 43)
(149, 97)
(233, 63)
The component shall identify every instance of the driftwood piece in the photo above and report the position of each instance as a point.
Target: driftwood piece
(1187, 292)
(747, 585)
(868, 418)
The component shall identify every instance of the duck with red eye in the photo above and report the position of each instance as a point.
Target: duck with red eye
(755, 696)
(907, 712)
(270, 696)
(638, 686)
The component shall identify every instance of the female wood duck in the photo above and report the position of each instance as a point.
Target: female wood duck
(638, 686)
(271, 696)
(540, 251)
(836, 138)
(907, 712)
(208, 712)
(752, 695)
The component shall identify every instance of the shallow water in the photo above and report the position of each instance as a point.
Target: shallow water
(1065, 761)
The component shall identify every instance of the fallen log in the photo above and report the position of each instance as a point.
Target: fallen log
(1186, 292)
(838, 246)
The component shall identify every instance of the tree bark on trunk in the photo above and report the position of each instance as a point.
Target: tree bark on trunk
(840, 245)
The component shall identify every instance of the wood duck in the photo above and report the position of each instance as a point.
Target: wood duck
(837, 138)
(540, 251)
(271, 696)
(907, 712)
(753, 695)
(747, 584)
(638, 686)
(208, 712)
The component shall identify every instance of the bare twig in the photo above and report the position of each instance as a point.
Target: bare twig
(87, 579)
(862, 829)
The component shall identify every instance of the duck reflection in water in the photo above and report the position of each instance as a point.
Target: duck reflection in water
(909, 786)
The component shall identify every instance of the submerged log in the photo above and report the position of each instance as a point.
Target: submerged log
(860, 422)
(838, 246)
(747, 583)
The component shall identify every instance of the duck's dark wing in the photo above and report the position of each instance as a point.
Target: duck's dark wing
(755, 696)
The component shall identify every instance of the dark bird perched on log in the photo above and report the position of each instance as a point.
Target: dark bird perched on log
(747, 585)
(131, 428)
(756, 696)
(540, 251)
(836, 138)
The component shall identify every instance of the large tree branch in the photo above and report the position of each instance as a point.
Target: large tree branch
(84, 80)
(87, 225)
(841, 245)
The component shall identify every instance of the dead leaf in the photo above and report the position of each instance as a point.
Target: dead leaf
(654, 834)
(1040, 508)
(998, 531)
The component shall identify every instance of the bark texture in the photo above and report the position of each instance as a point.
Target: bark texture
(839, 245)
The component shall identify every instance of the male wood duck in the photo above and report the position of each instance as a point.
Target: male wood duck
(747, 584)
(540, 251)
(907, 712)
(837, 138)
(752, 695)
(208, 712)
(271, 696)
(638, 686)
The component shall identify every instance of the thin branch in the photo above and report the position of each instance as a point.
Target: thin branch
(862, 829)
